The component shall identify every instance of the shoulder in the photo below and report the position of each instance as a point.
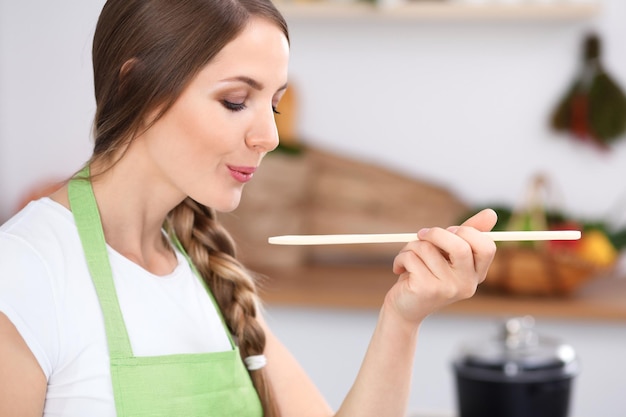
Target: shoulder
(36, 218)
(41, 254)
(36, 235)
(47, 294)
(35, 263)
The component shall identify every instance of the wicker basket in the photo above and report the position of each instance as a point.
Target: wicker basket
(527, 271)
(537, 269)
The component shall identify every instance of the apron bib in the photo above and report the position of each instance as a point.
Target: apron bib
(185, 385)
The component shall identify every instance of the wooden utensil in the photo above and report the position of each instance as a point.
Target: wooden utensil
(502, 236)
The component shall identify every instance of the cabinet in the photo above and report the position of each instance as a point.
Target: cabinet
(439, 10)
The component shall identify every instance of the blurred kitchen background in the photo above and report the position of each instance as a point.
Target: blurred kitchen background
(439, 92)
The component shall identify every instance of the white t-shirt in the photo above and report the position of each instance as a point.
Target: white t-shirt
(47, 293)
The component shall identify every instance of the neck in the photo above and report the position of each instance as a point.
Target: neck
(133, 202)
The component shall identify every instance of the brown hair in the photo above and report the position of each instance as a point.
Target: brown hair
(145, 52)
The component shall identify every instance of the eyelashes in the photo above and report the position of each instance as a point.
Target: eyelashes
(235, 107)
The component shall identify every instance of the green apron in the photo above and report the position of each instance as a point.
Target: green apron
(185, 385)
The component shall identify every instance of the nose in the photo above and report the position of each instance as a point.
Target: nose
(263, 134)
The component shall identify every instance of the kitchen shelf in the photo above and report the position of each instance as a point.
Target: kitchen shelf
(342, 286)
(438, 10)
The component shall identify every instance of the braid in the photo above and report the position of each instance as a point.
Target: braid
(212, 251)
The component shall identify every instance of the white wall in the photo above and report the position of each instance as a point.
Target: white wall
(464, 104)
(46, 93)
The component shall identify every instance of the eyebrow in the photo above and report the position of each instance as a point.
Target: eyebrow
(252, 82)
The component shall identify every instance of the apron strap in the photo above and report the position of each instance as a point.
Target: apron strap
(85, 210)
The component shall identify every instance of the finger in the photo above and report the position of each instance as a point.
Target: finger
(428, 268)
(484, 220)
(459, 252)
(430, 258)
(483, 248)
(407, 261)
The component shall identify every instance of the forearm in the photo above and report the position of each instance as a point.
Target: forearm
(383, 383)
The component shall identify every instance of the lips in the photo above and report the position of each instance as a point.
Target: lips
(242, 174)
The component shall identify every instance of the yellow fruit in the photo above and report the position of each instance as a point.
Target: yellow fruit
(595, 247)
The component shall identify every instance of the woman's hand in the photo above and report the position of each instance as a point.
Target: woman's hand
(443, 266)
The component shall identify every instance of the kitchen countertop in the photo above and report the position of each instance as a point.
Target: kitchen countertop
(365, 286)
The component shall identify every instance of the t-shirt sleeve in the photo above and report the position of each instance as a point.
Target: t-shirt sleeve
(27, 299)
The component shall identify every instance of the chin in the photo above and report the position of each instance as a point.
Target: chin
(227, 206)
(223, 201)
(225, 210)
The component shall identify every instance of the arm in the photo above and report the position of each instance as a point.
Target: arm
(442, 267)
(22, 382)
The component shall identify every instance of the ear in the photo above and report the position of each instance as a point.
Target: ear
(127, 67)
(125, 72)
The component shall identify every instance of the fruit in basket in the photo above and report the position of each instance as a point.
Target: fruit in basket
(552, 268)
(596, 248)
(595, 245)
(564, 245)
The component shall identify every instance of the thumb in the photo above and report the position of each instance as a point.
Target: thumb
(484, 220)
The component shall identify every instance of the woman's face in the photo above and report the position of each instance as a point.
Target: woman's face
(210, 142)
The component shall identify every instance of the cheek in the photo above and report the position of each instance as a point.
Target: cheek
(190, 133)
(197, 133)
(190, 126)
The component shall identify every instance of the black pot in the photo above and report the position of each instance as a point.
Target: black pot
(519, 373)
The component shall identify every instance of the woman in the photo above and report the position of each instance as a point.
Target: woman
(120, 294)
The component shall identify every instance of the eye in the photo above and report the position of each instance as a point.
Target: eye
(233, 106)
(275, 110)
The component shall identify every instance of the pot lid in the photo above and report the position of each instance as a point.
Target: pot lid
(518, 352)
